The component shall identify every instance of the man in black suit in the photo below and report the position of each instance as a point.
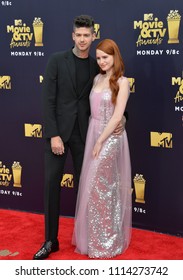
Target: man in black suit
(67, 83)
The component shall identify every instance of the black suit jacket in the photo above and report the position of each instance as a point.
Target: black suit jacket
(62, 105)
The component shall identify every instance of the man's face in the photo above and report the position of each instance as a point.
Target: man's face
(83, 37)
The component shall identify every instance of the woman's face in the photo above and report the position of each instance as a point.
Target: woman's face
(104, 60)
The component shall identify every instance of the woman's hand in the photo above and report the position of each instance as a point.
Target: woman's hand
(96, 150)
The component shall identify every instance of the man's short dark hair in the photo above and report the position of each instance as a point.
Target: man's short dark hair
(83, 21)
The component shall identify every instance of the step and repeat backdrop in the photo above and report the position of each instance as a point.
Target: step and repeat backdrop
(150, 37)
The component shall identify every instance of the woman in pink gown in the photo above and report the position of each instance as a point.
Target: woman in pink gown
(103, 209)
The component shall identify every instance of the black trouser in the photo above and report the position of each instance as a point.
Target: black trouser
(54, 168)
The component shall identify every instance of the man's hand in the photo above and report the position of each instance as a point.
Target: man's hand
(57, 145)
(121, 126)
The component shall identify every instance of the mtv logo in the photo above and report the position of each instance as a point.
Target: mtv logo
(132, 84)
(163, 139)
(33, 130)
(97, 30)
(5, 82)
(148, 16)
(18, 22)
(67, 181)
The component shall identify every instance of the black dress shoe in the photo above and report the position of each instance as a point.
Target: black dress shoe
(47, 248)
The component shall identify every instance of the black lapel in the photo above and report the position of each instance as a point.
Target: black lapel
(92, 75)
(71, 67)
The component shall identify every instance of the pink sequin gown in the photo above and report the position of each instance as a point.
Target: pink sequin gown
(103, 209)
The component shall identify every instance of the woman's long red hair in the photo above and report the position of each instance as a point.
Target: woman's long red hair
(110, 47)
